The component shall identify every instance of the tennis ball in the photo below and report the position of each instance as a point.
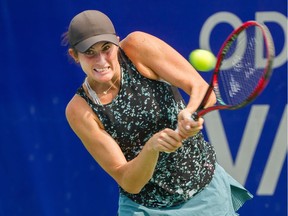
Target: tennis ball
(202, 60)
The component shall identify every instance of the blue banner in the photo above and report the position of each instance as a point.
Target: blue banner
(45, 169)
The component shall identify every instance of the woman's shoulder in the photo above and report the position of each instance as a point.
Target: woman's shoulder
(74, 107)
(135, 35)
(140, 47)
(79, 113)
(137, 40)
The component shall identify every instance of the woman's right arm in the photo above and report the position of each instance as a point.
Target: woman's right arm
(132, 175)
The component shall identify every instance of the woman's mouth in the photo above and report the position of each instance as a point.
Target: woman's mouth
(101, 70)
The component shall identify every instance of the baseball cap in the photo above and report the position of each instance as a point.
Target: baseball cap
(90, 27)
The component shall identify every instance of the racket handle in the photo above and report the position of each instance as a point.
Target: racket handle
(195, 116)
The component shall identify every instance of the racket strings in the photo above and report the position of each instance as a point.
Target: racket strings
(239, 73)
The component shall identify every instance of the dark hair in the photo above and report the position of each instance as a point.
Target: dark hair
(65, 42)
(65, 39)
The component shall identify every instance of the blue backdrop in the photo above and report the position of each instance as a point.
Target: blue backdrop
(44, 168)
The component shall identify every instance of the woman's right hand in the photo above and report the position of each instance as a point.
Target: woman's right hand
(167, 140)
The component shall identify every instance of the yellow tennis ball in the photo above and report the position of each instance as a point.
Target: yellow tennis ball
(202, 60)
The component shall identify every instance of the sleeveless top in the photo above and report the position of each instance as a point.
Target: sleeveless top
(142, 108)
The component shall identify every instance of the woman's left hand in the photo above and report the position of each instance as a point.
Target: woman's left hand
(187, 126)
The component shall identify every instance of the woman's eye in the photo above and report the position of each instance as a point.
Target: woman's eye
(106, 48)
(89, 52)
(92, 52)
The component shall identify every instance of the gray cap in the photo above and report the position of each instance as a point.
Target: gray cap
(90, 27)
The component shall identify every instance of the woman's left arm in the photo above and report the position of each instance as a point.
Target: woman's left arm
(156, 59)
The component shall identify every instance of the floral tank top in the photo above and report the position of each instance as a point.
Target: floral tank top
(142, 108)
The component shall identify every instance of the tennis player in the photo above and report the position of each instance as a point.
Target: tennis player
(126, 113)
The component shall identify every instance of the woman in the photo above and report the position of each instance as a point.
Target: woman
(126, 113)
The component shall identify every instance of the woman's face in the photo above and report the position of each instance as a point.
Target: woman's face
(99, 62)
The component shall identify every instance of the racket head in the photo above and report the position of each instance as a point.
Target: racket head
(241, 74)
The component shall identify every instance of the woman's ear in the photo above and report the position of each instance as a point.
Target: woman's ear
(73, 55)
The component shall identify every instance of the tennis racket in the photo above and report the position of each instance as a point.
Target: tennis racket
(240, 74)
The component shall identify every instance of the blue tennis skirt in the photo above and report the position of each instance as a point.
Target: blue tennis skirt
(222, 197)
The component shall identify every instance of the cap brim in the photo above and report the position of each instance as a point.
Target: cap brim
(86, 44)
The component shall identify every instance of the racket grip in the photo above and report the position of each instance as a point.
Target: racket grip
(195, 116)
